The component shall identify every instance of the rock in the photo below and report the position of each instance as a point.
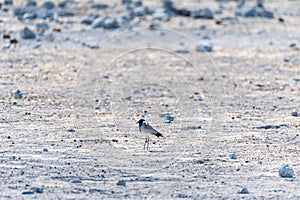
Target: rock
(169, 6)
(183, 12)
(31, 3)
(38, 189)
(272, 126)
(139, 11)
(182, 50)
(295, 114)
(98, 22)
(18, 94)
(63, 4)
(87, 21)
(19, 11)
(27, 34)
(121, 183)
(243, 190)
(77, 181)
(292, 45)
(232, 156)
(65, 12)
(205, 13)
(256, 11)
(161, 14)
(45, 149)
(286, 60)
(106, 22)
(42, 26)
(286, 171)
(5, 8)
(8, 2)
(44, 13)
(126, 2)
(169, 118)
(48, 5)
(71, 130)
(204, 48)
(30, 16)
(99, 6)
(26, 192)
(91, 45)
(98, 190)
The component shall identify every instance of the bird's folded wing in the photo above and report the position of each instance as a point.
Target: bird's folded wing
(149, 129)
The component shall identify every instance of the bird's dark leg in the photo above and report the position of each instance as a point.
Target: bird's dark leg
(148, 141)
(145, 143)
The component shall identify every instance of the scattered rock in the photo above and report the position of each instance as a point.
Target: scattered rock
(257, 10)
(38, 189)
(205, 13)
(8, 2)
(295, 114)
(19, 11)
(18, 94)
(243, 190)
(99, 6)
(65, 12)
(31, 3)
(26, 33)
(272, 126)
(232, 156)
(77, 181)
(286, 171)
(42, 26)
(182, 50)
(96, 190)
(292, 45)
(204, 48)
(169, 118)
(87, 21)
(91, 45)
(121, 183)
(161, 14)
(27, 192)
(48, 5)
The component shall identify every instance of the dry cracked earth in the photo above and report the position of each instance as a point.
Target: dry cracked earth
(73, 135)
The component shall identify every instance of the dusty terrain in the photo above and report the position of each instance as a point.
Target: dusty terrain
(73, 132)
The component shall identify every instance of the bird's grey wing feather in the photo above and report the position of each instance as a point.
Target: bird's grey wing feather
(150, 129)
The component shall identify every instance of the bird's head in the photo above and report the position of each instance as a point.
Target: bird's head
(140, 122)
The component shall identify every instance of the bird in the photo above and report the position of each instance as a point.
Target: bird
(146, 129)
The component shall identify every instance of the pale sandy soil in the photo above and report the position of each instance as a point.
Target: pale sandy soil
(100, 93)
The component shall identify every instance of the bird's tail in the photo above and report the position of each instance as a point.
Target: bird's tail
(159, 134)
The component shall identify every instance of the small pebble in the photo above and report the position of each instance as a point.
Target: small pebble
(98, 190)
(38, 189)
(27, 192)
(76, 181)
(232, 156)
(295, 114)
(169, 118)
(204, 48)
(121, 183)
(243, 190)
(286, 171)
(18, 94)
(48, 5)
(26, 33)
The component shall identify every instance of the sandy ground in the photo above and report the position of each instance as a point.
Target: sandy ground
(221, 102)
